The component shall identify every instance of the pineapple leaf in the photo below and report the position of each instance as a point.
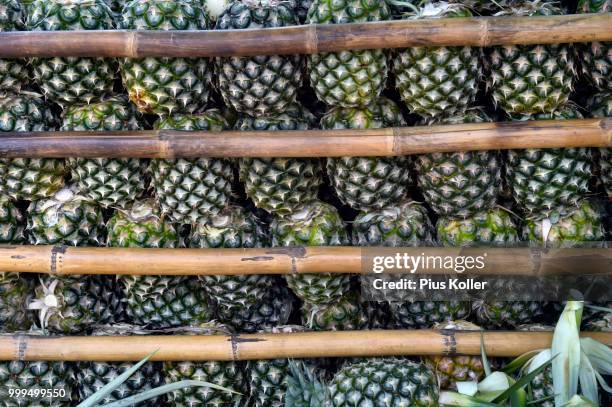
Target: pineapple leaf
(587, 378)
(524, 360)
(95, 398)
(579, 401)
(522, 382)
(167, 388)
(566, 352)
(483, 353)
(452, 399)
(598, 354)
(518, 398)
(467, 388)
(598, 308)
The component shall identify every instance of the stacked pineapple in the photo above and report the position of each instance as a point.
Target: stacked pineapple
(280, 202)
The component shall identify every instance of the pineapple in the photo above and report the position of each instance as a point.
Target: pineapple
(460, 184)
(14, 289)
(600, 105)
(190, 190)
(388, 382)
(344, 314)
(280, 185)
(367, 182)
(155, 301)
(424, 314)
(234, 227)
(452, 369)
(492, 228)
(545, 180)
(348, 78)
(264, 85)
(566, 229)
(108, 181)
(402, 225)
(13, 72)
(530, 79)
(65, 218)
(273, 309)
(314, 224)
(93, 376)
(166, 86)
(28, 178)
(35, 376)
(596, 56)
(438, 81)
(69, 80)
(226, 374)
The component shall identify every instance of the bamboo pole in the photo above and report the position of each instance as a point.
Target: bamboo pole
(277, 345)
(62, 260)
(310, 39)
(311, 143)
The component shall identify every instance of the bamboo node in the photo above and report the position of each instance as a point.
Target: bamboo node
(484, 38)
(21, 347)
(294, 253)
(313, 39)
(450, 341)
(57, 257)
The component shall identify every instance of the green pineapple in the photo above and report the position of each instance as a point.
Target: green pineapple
(65, 218)
(460, 184)
(280, 185)
(566, 229)
(367, 182)
(155, 301)
(35, 376)
(108, 181)
(234, 227)
(348, 78)
(28, 178)
(596, 56)
(438, 81)
(388, 382)
(600, 105)
(69, 80)
(314, 224)
(273, 309)
(401, 225)
(92, 376)
(452, 369)
(192, 190)
(166, 86)
(226, 374)
(14, 73)
(14, 289)
(344, 314)
(492, 228)
(264, 85)
(545, 180)
(424, 314)
(531, 79)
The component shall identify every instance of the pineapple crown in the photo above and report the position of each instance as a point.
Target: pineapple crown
(48, 304)
(459, 325)
(232, 227)
(440, 9)
(531, 8)
(304, 387)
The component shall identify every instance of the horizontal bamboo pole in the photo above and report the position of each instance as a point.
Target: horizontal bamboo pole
(277, 345)
(311, 143)
(310, 39)
(61, 260)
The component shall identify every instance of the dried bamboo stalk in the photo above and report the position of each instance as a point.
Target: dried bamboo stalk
(311, 143)
(310, 39)
(61, 260)
(278, 345)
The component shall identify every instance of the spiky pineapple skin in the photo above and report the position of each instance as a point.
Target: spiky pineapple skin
(596, 57)
(278, 184)
(367, 182)
(262, 85)
(494, 227)
(438, 81)
(348, 78)
(69, 80)
(314, 224)
(600, 105)
(234, 227)
(424, 314)
(192, 190)
(35, 375)
(544, 180)
(460, 184)
(108, 181)
(384, 382)
(531, 79)
(13, 72)
(65, 218)
(344, 314)
(166, 86)
(28, 178)
(156, 301)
